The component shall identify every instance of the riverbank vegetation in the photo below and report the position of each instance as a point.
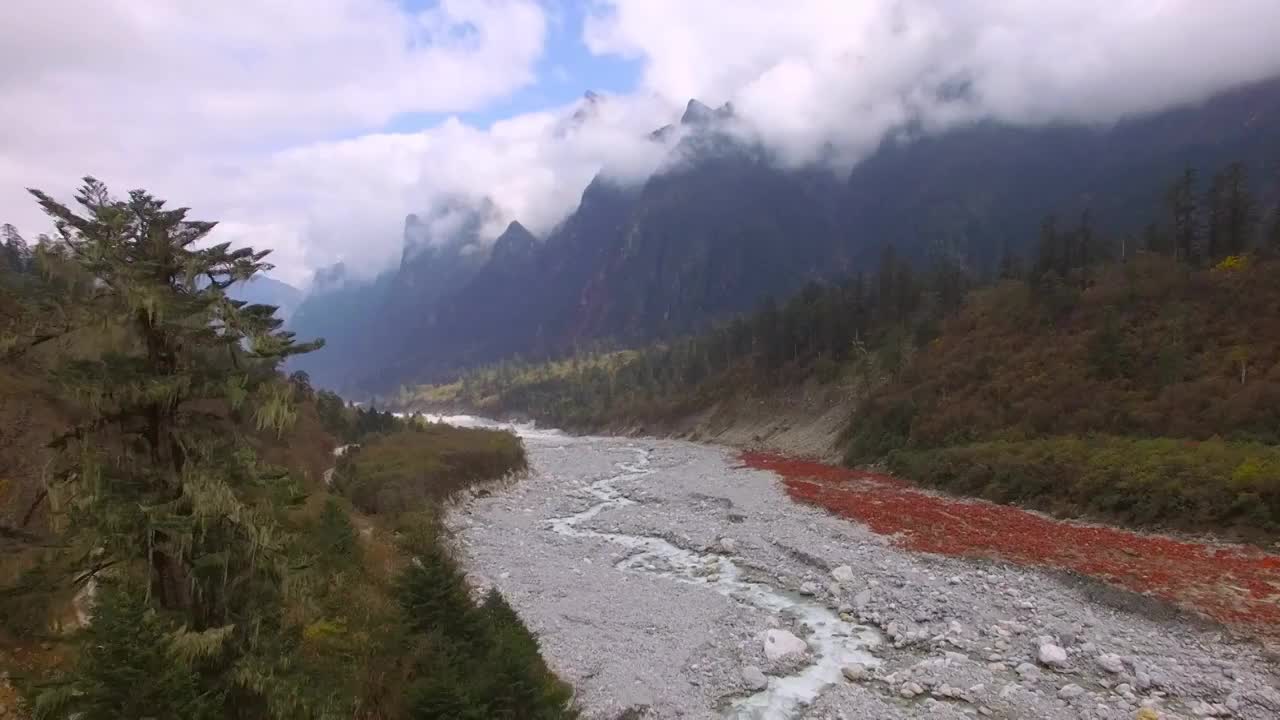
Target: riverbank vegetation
(168, 545)
(424, 464)
(993, 383)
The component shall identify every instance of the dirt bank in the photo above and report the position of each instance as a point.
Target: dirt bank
(800, 422)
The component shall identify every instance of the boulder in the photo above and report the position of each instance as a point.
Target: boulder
(1111, 663)
(856, 672)
(843, 574)
(1051, 655)
(781, 643)
(1070, 691)
(754, 678)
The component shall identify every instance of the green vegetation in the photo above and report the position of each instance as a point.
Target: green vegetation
(425, 463)
(1175, 483)
(172, 468)
(972, 385)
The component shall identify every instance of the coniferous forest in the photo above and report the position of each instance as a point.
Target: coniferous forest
(175, 542)
(1128, 377)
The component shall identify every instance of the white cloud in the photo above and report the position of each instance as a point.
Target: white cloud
(332, 201)
(234, 106)
(807, 73)
(189, 98)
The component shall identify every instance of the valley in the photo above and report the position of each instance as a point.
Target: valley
(667, 576)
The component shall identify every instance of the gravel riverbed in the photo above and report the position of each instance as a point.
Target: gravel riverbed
(665, 580)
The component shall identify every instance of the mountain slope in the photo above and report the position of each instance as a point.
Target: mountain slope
(721, 227)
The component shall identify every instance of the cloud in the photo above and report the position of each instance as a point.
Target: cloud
(826, 79)
(274, 117)
(187, 99)
(346, 201)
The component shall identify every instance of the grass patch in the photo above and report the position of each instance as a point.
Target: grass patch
(425, 464)
(1231, 487)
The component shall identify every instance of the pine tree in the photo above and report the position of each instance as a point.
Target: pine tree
(157, 479)
(1048, 249)
(433, 593)
(1185, 218)
(519, 684)
(126, 668)
(1241, 210)
(1273, 234)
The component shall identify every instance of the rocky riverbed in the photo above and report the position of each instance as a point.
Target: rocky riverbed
(665, 580)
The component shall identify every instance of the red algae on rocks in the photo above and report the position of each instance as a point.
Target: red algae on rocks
(1234, 584)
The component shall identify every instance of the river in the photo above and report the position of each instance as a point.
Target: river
(657, 572)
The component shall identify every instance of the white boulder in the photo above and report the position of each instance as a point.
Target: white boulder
(782, 643)
(1051, 655)
(1111, 663)
(843, 574)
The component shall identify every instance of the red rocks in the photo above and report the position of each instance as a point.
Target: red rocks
(1232, 583)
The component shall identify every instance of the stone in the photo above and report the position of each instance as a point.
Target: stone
(856, 672)
(754, 678)
(1111, 663)
(842, 574)
(781, 643)
(1051, 655)
(1070, 691)
(1143, 680)
(728, 544)
(809, 588)
(1027, 671)
(862, 599)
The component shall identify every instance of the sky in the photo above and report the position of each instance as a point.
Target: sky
(314, 126)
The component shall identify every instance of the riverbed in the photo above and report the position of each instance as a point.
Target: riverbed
(663, 578)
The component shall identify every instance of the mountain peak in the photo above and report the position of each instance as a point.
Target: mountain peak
(696, 113)
(514, 243)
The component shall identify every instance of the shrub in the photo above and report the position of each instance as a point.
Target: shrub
(409, 469)
(1187, 485)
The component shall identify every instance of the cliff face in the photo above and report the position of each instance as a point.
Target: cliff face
(723, 227)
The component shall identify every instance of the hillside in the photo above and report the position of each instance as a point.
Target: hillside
(723, 227)
(1137, 387)
(178, 537)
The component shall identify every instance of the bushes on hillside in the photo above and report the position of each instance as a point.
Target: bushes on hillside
(408, 469)
(1168, 483)
(475, 662)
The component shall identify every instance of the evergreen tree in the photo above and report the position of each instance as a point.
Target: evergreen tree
(1240, 210)
(335, 535)
(433, 593)
(157, 479)
(126, 668)
(1184, 214)
(1273, 234)
(1010, 264)
(1048, 249)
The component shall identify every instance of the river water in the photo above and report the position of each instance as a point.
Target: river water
(833, 642)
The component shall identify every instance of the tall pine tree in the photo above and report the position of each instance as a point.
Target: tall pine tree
(157, 479)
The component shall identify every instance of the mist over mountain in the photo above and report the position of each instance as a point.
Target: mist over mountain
(263, 290)
(723, 225)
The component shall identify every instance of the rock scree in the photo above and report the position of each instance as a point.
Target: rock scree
(614, 551)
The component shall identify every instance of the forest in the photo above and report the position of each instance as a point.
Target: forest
(1133, 378)
(169, 545)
